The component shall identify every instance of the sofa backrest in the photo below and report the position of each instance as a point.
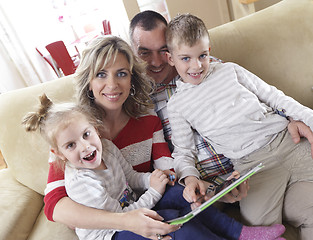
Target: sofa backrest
(276, 44)
(26, 154)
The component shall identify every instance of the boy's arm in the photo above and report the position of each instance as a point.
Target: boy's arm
(185, 151)
(298, 129)
(185, 156)
(274, 98)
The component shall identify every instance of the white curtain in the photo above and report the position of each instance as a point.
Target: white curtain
(15, 57)
(25, 25)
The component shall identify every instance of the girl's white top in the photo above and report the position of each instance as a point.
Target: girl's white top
(110, 189)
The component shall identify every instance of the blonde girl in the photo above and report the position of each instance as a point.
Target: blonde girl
(96, 173)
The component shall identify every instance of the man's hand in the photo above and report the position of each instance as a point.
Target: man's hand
(148, 223)
(237, 193)
(298, 129)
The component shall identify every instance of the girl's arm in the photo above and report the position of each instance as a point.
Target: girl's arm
(62, 209)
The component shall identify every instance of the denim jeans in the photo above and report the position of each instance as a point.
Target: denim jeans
(210, 224)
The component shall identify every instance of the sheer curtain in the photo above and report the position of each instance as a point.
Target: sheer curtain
(25, 25)
(14, 58)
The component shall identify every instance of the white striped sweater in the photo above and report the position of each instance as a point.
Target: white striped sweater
(233, 109)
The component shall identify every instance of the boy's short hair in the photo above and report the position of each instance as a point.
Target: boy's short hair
(186, 29)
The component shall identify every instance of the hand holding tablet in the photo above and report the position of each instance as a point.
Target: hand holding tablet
(219, 192)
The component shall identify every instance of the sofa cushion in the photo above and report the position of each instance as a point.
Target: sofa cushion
(20, 207)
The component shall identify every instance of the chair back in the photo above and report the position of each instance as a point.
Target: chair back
(52, 64)
(59, 53)
(106, 27)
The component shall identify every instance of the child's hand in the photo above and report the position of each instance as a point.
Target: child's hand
(171, 176)
(234, 174)
(194, 189)
(158, 181)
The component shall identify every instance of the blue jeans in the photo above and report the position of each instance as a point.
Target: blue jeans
(210, 224)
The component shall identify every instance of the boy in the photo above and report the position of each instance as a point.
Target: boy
(239, 121)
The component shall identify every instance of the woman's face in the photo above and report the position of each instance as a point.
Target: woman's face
(112, 84)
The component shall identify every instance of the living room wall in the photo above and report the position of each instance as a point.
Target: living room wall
(212, 12)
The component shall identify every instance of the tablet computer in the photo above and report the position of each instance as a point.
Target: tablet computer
(220, 191)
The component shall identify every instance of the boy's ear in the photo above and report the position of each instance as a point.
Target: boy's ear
(58, 154)
(169, 59)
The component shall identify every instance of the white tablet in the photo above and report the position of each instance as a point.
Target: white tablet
(219, 193)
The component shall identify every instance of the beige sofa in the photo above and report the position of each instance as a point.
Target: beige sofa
(276, 44)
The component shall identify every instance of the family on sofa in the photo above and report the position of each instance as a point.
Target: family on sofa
(121, 105)
(266, 43)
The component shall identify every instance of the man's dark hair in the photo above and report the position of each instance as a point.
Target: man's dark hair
(148, 20)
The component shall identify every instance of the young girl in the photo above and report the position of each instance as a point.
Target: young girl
(97, 175)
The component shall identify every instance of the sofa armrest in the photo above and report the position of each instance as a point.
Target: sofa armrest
(45, 229)
(2, 162)
(19, 207)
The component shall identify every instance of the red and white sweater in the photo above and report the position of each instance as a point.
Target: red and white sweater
(142, 144)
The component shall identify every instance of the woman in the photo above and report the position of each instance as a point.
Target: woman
(122, 101)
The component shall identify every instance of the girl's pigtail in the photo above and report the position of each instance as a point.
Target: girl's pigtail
(33, 120)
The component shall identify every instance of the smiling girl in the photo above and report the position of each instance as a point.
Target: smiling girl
(96, 173)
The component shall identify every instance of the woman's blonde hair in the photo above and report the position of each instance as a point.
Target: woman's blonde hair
(51, 118)
(96, 56)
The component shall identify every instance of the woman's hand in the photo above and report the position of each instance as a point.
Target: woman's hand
(148, 223)
(158, 181)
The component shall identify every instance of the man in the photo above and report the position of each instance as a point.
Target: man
(147, 36)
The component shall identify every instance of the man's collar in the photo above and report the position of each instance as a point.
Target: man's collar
(171, 84)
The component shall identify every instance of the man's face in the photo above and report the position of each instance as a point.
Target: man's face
(151, 47)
